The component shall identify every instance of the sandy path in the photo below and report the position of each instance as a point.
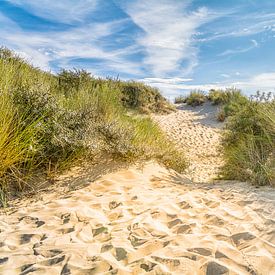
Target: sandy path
(147, 221)
(197, 131)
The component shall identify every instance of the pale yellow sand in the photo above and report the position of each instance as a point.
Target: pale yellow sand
(198, 133)
(146, 220)
(136, 221)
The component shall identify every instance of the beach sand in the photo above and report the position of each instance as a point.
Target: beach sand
(198, 133)
(145, 220)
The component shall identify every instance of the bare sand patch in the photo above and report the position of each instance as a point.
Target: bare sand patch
(142, 221)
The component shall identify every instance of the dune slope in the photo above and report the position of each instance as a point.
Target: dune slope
(146, 220)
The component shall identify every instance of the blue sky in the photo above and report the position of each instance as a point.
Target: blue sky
(176, 45)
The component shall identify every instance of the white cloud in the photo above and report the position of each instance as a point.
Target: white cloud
(63, 46)
(64, 11)
(225, 75)
(174, 80)
(255, 44)
(263, 82)
(175, 87)
(167, 37)
(248, 25)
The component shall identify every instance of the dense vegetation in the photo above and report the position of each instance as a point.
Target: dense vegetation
(249, 142)
(230, 100)
(249, 136)
(249, 139)
(50, 120)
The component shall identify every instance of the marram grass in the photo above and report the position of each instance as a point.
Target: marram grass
(51, 120)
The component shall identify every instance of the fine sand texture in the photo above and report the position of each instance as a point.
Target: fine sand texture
(196, 131)
(145, 219)
(142, 220)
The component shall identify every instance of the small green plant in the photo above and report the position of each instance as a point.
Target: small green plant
(217, 96)
(230, 100)
(221, 116)
(222, 97)
(180, 99)
(196, 98)
(17, 139)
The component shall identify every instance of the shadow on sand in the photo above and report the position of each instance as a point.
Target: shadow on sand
(206, 114)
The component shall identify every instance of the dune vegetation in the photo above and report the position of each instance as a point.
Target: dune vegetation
(49, 120)
(249, 142)
(249, 139)
(195, 98)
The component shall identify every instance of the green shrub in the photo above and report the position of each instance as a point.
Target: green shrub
(231, 100)
(217, 97)
(73, 80)
(55, 119)
(17, 139)
(143, 98)
(224, 96)
(249, 143)
(180, 99)
(196, 98)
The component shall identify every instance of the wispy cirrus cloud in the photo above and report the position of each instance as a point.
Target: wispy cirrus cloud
(239, 50)
(263, 82)
(62, 47)
(61, 11)
(241, 25)
(171, 44)
(167, 34)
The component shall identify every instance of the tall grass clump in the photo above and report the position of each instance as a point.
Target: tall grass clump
(51, 120)
(230, 99)
(196, 98)
(249, 143)
(180, 99)
(17, 142)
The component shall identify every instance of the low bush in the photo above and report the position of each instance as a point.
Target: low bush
(55, 119)
(249, 143)
(144, 98)
(17, 138)
(231, 100)
(180, 99)
(196, 98)
(221, 115)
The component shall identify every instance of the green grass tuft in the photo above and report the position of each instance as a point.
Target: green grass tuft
(196, 98)
(51, 120)
(249, 143)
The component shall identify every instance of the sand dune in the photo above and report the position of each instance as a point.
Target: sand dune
(138, 221)
(146, 220)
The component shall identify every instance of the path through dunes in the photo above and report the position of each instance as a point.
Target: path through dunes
(146, 220)
(197, 131)
(142, 221)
